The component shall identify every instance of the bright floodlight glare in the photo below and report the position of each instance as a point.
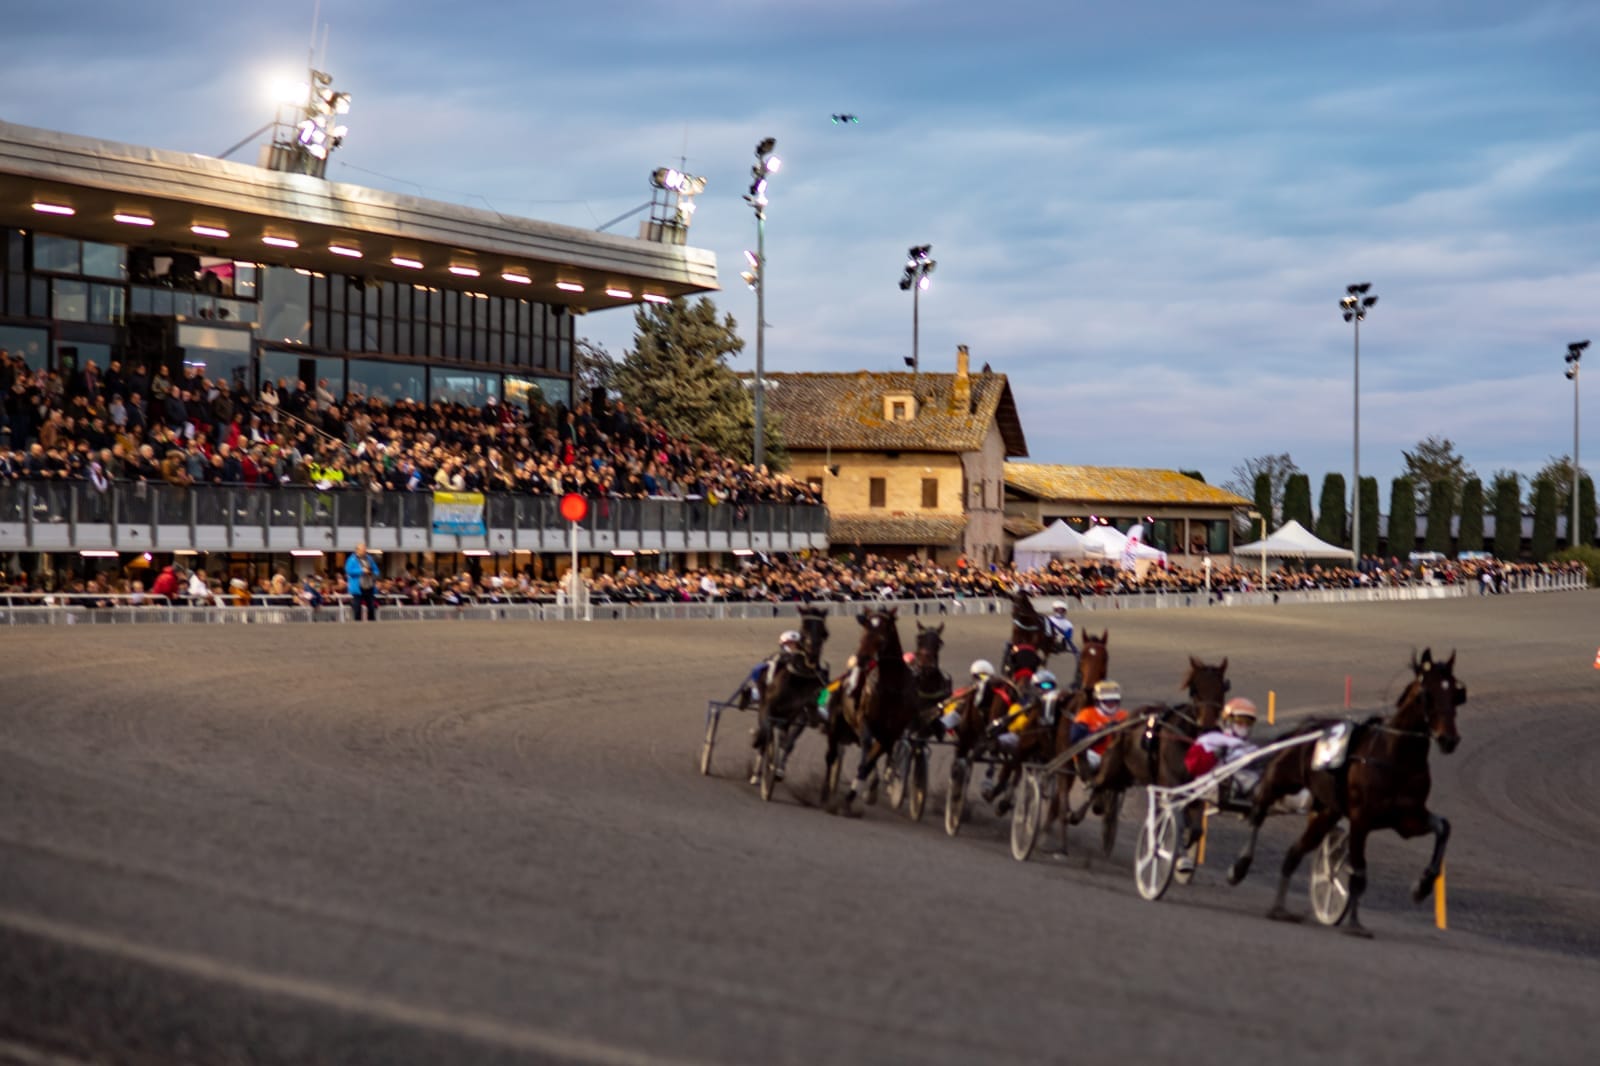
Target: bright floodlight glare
(922, 283)
(772, 164)
(750, 257)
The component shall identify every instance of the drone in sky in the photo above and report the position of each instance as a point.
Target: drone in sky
(845, 120)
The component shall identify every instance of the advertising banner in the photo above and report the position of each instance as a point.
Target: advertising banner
(460, 513)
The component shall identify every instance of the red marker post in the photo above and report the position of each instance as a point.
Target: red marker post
(574, 508)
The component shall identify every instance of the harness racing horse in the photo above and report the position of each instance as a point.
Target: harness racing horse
(1154, 754)
(1094, 664)
(1383, 784)
(874, 711)
(791, 685)
(1029, 644)
(933, 684)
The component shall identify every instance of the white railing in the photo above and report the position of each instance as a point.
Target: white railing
(107, 609)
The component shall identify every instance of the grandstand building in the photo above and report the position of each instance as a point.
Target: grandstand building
(117, 253)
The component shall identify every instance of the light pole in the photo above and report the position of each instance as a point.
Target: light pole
(1574, 356)
(1355, 305)
(766, 164)
(918, 267)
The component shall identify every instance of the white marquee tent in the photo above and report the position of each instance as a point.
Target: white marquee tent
(1109, 543)
(1292, 541)
(1056, 541)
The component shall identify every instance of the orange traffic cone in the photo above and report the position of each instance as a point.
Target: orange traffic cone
(1597, 659)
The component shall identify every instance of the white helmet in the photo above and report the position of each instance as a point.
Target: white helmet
(1108, 692)
(789, 636)
(1044, 679)
(1059, 605)
(982, 668)
(1239, 717)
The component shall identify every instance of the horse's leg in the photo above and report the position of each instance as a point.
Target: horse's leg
(1268, 790)
(1317, 827)
(1357, 857)
(1440, 828)
(1061, 805)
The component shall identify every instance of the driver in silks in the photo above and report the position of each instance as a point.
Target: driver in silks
(754, 685)
(1232, 741)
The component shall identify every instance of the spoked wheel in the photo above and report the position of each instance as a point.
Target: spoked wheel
(1025, 817)
(710, 743)
(917, 786)
(955, 798)
(1108, 824)
(1330, 878)
(767, 770)
(1157, 853)
(895, 772)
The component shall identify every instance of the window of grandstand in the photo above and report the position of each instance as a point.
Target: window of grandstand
(28, 343)
(294, 367)
(467, 387)
(387, 382)
(285, 306)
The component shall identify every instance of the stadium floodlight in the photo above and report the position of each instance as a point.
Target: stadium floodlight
(766, 164)
(845, 120)
(1354, 305)
(1574, 357)
(919, 265)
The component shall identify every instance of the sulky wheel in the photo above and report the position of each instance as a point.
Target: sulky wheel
(955, 797)
(1157, 854)
(767, 770)
(1330, 878)
(895, 772)
(709, 745)
(1025, 817)
(917, 785)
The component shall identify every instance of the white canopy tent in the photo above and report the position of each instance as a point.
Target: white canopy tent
(1292, 541)
(1109, 543)
(1056, 541)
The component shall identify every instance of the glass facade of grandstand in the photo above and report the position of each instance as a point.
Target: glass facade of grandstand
(64, 302)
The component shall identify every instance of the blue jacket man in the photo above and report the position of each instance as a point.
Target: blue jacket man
(361, 572)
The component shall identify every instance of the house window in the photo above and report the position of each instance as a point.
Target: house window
(877, 492)
(930, 492)
(899, 407)
(897, 412)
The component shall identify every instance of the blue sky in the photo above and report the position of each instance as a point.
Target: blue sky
(1143, 213)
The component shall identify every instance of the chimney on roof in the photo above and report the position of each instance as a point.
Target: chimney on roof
(962, 391)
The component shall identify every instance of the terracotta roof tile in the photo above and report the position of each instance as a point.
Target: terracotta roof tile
(1018, 526)
(1115, 484)
(845, 411)
(932, 530)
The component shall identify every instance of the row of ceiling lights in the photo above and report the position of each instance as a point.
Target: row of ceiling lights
(405, 262)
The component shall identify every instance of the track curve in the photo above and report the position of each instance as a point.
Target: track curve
(427, 842)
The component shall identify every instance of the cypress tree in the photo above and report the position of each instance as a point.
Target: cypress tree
(1441, 509)
(1263, 496)
(1470, 538)
(1544, 522)
(1402, 518)
(1507, 516)
(1585, 511)
(1297, 500)
(1369, 515)
(1330, 511)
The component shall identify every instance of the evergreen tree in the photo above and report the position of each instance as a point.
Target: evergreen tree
(1369, 515)
(1507, 516)
(1441, 509)
(1263, 497)
(1297, 500)
(1470, 537)
(678, 375)
(1435, 460)
(1544, 522)
(1402, 518)
(1330, 511)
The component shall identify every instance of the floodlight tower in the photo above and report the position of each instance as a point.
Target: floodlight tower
(1355, 305)
(1574, 356)
(308, 127)
(915, 278)
(766, 165)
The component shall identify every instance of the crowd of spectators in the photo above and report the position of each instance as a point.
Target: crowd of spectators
(122, 424)
(799, 580)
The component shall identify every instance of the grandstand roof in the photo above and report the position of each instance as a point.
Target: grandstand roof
(939, 530)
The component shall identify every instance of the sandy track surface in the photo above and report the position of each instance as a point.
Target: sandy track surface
(435, 842)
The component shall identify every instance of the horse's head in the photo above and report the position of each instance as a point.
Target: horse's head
(1026, 624)
(813, 632)
(1094, 661)
(930, 639)
(1207, 687)
(1435, 687)
(880, 639)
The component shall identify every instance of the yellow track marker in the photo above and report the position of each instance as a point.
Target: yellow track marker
(1272, 708)
(1440, 917)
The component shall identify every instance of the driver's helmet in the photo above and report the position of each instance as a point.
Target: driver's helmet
(1059, 607)
(1239, 716)
(789, 636)
(982, 668)
(1108, 694)
(1044, 681)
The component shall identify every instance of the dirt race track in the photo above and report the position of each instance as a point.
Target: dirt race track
(464, 843)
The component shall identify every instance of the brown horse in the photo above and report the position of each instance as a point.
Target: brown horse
(790, 686)
(874, 709)
(1154, 754)
(1094, 663)
(1029, 645)
(933, 684)
(1383, 784)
